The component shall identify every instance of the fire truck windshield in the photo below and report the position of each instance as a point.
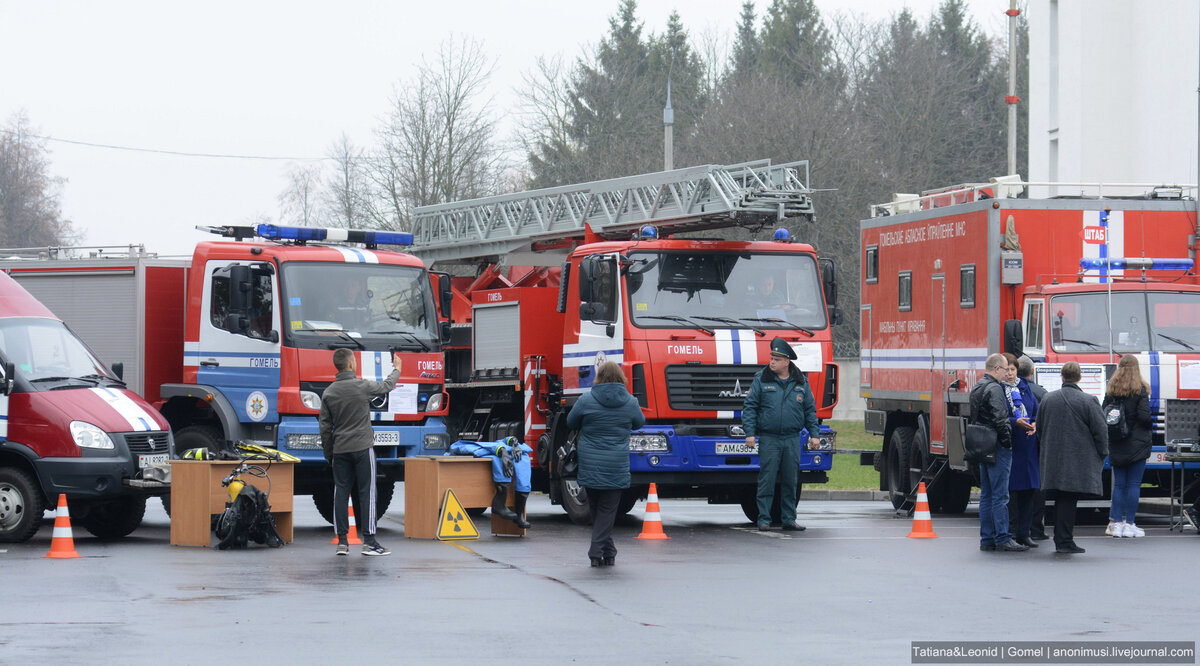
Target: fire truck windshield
(375, 306)
(750, 290)
(1166, 321)
(46, 353)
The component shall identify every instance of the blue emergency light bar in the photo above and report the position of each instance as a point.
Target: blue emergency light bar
(782, 235)
(1136, 263)
(649, 232)
(278, 232)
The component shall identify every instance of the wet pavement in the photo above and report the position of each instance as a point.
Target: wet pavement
(850, 589)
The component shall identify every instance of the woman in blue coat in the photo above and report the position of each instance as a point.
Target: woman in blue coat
(1025, 478)
(604, 418)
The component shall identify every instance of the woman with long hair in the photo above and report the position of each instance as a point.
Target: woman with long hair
(1127, 455)
(604, 417)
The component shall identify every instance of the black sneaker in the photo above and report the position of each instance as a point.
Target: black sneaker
(1069, 549)
(764, 527)
(793, 527)
(1011, 546)
(375, 549)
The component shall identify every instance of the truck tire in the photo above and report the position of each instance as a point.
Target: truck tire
(950, 494)
(21, 505)
(323, 500)
(899, 446)
(629, 499)
(918, 458)
(574, 501)
(750, 506)
(199, 437)
(114, 518)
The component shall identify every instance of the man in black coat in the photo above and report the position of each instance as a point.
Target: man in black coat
(1074, 442)
(989, 407)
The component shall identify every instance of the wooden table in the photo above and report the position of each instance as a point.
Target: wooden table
(197, 495)
(426, 479)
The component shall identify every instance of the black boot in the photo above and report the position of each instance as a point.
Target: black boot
(520, 500)
(499, 508)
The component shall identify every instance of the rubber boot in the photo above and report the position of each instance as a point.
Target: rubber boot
(520, 500)
(499, 508)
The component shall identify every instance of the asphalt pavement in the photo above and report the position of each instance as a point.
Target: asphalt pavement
(851, 589)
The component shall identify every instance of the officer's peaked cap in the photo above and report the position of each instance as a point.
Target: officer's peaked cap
(780, 347)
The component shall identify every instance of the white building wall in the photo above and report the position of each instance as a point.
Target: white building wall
(1112, 91)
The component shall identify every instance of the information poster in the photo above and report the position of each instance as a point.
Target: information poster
(1093, 382)
(403, 399)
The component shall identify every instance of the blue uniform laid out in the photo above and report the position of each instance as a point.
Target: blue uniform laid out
(510, 462)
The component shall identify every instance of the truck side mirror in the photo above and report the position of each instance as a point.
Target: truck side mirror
(6, 382)
(829, 281)
(835, 316)
(118, 369)
(445, 296)
(239, 288)
(1014, 339)
(445, 332)
(587, 273)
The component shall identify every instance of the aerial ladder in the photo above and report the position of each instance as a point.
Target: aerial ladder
(520, 227)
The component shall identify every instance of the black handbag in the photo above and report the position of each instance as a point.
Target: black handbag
(980, 445)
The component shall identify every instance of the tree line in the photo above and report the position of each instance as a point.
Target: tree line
(899, 105)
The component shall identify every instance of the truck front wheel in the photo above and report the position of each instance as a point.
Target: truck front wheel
(899, 448)
(199, 437)
(21, 505)
(384, 491)
(115, 518)
(574, 501)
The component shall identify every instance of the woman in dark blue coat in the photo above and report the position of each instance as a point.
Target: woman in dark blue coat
(604, 418)
(1025, 477)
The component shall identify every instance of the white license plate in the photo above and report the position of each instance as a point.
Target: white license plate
(1157, 457)
(736, 448)
(151, 459)
(387, 438)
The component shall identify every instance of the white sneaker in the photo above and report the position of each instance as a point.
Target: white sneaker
(1134, 531)
(1118, 530)
(1108, 531)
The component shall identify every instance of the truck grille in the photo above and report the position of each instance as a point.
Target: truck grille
(147, 442)
(709, 387)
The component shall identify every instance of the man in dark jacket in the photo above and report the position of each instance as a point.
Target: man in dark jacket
(349, 445)
(1074, 442)
(989, 407)
(777, 407)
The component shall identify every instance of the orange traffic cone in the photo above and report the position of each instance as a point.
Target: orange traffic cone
(62, 544)
(652, 527)
(922, 525)
(353, 536)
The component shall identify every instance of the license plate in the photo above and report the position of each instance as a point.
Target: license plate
(151, 459)
(387, 438)
(736, 448)
(1157, 457)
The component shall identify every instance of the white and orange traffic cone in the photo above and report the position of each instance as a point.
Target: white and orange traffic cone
(62, 544)
(922, 524)
(353, 536)
(652, 526)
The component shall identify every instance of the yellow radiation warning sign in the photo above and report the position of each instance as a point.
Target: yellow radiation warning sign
(454, 523)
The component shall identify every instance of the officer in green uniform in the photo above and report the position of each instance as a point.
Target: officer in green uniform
(778, 406)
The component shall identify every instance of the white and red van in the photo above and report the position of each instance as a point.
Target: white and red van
(69, 425)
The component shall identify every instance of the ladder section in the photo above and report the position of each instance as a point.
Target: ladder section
(689, 199)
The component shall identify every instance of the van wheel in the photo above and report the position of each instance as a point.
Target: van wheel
(21, 505)
(115, 518)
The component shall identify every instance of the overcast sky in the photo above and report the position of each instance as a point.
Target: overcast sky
(272, 78)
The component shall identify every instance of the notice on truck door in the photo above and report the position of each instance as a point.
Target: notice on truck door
(1093, 382)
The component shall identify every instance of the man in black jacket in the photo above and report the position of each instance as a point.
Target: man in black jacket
(348, 442)
(989, 407)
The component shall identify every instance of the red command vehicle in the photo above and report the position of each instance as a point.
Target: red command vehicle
(570, 277)
(963, 272)
(68, 425)
(236, 344)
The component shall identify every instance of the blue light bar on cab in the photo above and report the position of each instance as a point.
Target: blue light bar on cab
(278, 232)
(781, 234)
(1136, 263)
(649, 232)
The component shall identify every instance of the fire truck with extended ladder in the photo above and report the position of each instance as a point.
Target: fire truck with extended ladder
(235, 344)
(571, 276)
(958, 273)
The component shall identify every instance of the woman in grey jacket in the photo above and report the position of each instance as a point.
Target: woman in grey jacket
(604, 418)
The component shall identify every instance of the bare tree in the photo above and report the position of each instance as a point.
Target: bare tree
(30, 211)
(438, 143)
(348, 191)
(299, 202)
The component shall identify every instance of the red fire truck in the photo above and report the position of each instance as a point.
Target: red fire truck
(235, 344)
(69, 426)
(956, 274)
(568, 277)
